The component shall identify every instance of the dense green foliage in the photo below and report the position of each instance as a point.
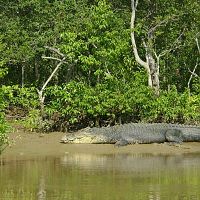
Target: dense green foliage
(3, 126)
(77, 105)
(4, 140)
(100, 82)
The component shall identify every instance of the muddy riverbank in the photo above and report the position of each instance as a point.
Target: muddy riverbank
(35, 144)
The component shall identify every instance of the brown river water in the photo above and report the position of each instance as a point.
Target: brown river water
(40, 168)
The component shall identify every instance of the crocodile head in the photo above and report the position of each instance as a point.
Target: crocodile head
(84, 137)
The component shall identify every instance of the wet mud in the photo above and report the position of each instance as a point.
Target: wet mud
(35, 144)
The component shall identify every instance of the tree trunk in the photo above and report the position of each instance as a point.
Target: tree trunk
(22, 83)
(153, 65)
(150, 65)
(41, 91)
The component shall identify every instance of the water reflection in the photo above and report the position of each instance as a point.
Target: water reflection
(101, 177)
(129, 162)
(41, 195)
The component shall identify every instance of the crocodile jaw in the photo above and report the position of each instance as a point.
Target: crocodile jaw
(90, 140)
(84, 139)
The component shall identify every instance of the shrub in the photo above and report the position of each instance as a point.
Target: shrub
(3, 126)
(174, 107)
(4, 140)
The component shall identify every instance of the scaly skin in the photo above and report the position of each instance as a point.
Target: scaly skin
(135, 133)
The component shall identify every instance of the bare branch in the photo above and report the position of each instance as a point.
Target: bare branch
(52, 58)
(137, 57)
(192, 74)
(152, 30)
(197, 42)
(134, 4)
(157, 61)
(161, 23)
(163, 53)
(55, 50)
(52, 74)
(61, 61)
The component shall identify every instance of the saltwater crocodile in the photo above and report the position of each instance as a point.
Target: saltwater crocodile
(133, 133)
